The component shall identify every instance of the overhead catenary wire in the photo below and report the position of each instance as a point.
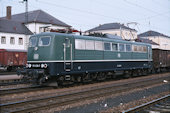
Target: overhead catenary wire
(140, 6)
(97, 14)
(110, 18)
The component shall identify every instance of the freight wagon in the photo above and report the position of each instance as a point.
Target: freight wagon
(161, 60)
(11, 59)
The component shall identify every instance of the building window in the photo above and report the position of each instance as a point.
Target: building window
(12, 40)
(20, 41)
(3, 40)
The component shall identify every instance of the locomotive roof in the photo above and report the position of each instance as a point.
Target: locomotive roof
(90, 38)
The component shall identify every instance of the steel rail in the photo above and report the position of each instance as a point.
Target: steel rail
(12, 82)
(72, 97)
(9, 91)
(137, 108)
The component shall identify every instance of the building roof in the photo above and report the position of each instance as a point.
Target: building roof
(38, 16)
(9, 26)
(152, 33)
(144, 40)
(110, 26)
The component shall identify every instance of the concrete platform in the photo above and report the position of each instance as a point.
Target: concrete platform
(9, 77)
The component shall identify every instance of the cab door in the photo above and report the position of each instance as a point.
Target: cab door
(68, 54)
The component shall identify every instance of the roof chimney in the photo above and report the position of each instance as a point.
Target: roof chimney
(8, 12)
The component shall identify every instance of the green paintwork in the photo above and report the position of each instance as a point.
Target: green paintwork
(55, 51)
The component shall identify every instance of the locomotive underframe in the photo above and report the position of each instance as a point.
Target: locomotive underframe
(85, 71)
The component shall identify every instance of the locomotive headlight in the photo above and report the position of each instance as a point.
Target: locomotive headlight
(28, 65)
(43, 65)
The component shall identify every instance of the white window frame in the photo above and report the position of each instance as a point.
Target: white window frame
(130, 47)
(110, 46)
(98, 43)
(80, 42)
(117, 46)
(124, 47)
(43, 37)
(4, 40)
(12, 40)
(90, 45)
(19, 41)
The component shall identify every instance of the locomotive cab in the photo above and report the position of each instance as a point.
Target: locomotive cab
(49, 56)
(36, 66)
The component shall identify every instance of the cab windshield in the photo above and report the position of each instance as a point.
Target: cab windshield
(44, 41)
(32, 41)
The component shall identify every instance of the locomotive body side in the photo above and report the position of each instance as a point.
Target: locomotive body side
(68, 57)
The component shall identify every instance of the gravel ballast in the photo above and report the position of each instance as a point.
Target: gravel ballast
(118, 101)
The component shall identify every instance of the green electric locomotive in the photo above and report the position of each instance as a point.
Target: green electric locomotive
(62, 58)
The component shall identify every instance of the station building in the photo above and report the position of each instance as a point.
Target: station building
(15, 31)
(162, 41)
(117, 29)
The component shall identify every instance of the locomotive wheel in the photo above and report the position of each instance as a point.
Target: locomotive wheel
(86, 77)
(101, 76)
(135, 73)
(94, 76)
(127, 74)
(79, 79)
(158, 70)
(144, 72)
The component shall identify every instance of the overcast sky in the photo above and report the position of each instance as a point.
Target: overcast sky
(87, 14)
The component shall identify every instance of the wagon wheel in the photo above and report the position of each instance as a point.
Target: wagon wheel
(9, 68)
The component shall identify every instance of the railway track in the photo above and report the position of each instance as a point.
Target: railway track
(77, 96)
(7, 73)
(12, 82)
(160, 105)
(10, 91)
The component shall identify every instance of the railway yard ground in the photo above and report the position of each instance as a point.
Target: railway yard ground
(100, 97)
(11, 79)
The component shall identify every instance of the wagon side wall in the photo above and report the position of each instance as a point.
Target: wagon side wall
(161, 58)
(13, 58)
